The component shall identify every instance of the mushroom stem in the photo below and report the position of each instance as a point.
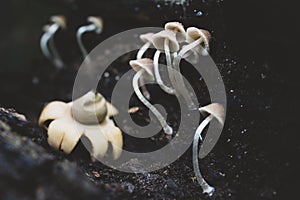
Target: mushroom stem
(205, 186)
(140, 54)
(169, 64)
(48, 37)
(80, 32)
(178, 77)
(142, 50)
(157, 75)
(145, 91)
(167, 129)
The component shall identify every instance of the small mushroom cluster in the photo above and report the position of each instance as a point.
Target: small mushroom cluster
(176, 43)
(87, 116)
(95, 24)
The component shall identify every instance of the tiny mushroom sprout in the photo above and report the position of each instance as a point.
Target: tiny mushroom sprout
(95, 24)
(144, 68)
(195, 37)
(165, 41)
(50, 51)
(214, 110)
(147, 39)
(86, 117)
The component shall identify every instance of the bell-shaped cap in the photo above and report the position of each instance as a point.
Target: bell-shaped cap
(178, 28)
(147, 37)
(216, 110)
(194, 33)
(160, 37)
(60, 20)
(144, 63)
(97, 21)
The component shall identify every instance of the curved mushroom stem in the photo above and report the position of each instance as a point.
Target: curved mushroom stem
(80, 32)
(167, 129)
(48, 37)
(157, 75)
(142, 50)
(140, 54)
(178, 78)
(205, 186)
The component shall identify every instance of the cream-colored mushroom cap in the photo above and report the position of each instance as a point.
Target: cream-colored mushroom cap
(178, 28)
(97, 21)
(216, 110)
(147, 37)
(194, 33)
(60, 20)
(160, 37)
(144, 63)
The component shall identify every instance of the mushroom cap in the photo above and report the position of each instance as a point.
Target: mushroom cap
(147, 37)
(194, 33)
(144, 63)
(91, 108)
(160, 37)
(216, 110)
(178, 28)
(60, 20)
(97, 21)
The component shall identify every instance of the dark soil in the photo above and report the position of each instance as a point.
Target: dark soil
(256, 155)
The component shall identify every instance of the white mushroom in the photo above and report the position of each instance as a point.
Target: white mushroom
(96, 25)
(178, 28)
(144, 68)
(165, 41)
(147, 39)
(87, 116)
(51, 53)
(195, 37)
(216, 111)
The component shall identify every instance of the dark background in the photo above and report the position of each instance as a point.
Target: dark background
(254, 45)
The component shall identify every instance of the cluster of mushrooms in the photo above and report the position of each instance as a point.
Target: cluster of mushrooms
(90, 115)
(176, 44)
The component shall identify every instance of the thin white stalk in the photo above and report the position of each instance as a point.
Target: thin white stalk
(158, 77)
(145, 91)
(179, 78)
(140, 54)
(142, 50)
(167, 129)
(51, 52)
(205, 186)
(169, 65)
(79, 34)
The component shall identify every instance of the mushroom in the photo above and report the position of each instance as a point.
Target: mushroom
(58, 22)
(215, 110)
(96, 25)
(195, 37)
(178, 28)
(89, 117)
(165, 41)
(144, 68)
(147, 39)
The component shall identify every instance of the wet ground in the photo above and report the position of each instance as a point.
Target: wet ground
(256, 155)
